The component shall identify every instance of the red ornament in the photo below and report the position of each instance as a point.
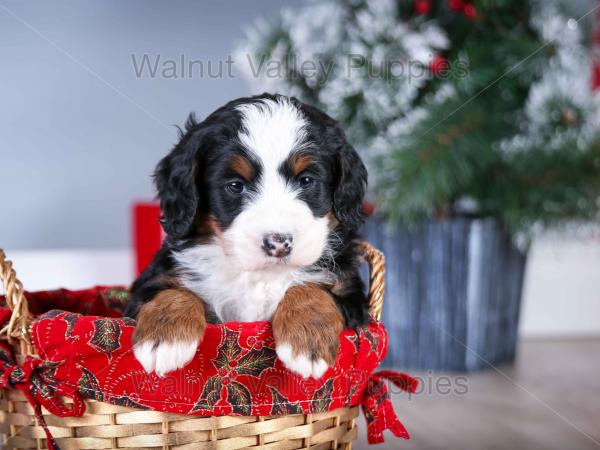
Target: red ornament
(596, 53)
(438, 65)
(456, 5)
(596, 76)
(423, 6)
(368, 208)
(470, 11)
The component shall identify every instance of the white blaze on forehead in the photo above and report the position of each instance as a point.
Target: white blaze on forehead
(272, 131)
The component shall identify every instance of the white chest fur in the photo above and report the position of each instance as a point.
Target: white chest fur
(233, 294)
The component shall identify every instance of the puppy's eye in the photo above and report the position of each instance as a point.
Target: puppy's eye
(306, 181)
(236, 187)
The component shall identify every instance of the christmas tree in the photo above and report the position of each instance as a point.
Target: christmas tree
(459, 107)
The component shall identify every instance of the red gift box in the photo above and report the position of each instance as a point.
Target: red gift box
(147, 233)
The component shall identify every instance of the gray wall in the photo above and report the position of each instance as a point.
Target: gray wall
(79, 132)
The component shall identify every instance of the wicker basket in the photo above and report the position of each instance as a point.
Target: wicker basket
(106, 426)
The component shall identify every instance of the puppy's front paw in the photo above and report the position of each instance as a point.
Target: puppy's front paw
(301, 363)
(164, 357)
(168, 331)
(306, 328)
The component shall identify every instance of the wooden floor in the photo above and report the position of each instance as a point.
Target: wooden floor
(550, 399)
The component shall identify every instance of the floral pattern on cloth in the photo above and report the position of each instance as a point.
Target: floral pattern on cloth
(235, 372)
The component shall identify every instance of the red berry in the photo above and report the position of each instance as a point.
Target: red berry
(596, 76)
(455, 5)
(423, 6)
(470, 11)
(438, 65)
(368, 208)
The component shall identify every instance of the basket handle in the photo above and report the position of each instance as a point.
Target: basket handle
(376, 262)
(20, 319)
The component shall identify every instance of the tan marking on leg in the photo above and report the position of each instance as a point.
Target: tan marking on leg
(309, 321)
(172, 315)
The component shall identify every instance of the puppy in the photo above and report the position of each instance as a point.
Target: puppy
(261, 203)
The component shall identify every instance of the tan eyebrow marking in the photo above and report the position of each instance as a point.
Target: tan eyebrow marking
(240, 165)
(300, 162)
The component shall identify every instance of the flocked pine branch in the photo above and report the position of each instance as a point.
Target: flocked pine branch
(484, 103)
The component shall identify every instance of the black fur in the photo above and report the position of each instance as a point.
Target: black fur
(190, 182)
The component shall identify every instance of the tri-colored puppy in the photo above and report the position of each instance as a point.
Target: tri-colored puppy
(261, 204)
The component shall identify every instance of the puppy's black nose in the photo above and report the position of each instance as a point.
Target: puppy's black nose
(277, 244)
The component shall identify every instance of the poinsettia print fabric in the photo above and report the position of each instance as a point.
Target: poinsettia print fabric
(235, 370)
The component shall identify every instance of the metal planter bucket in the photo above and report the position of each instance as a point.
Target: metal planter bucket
(453, 293)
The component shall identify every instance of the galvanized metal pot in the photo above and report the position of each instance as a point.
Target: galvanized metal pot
(453, 293)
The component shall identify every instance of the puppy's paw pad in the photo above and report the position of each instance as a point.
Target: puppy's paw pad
(300, 363)
(165, 357)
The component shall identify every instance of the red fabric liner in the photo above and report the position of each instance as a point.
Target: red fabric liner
(235, 370)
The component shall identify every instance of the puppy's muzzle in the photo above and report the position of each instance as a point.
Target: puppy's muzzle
(278, 245)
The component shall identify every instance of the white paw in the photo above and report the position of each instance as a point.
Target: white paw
(165, 357)
(301, 364)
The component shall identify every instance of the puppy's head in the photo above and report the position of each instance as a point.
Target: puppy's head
(269, 179)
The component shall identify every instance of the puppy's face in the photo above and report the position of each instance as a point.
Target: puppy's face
(268, 179)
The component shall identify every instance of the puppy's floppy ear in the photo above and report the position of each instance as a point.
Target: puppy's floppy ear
(350, 188)
(175, 179)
